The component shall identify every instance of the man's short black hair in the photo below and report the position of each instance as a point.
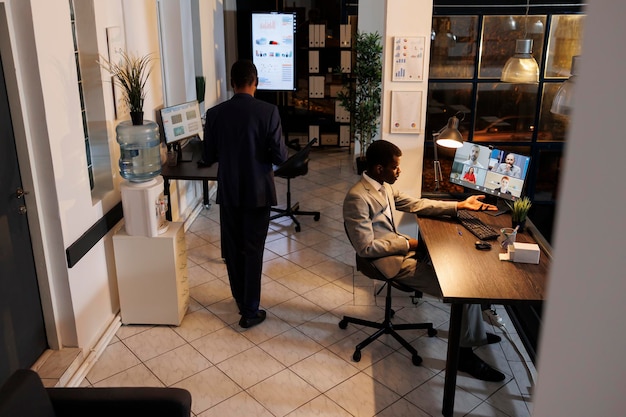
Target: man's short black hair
(243, 73)
(381, 152)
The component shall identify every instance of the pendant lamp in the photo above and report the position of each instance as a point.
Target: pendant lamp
(563, 101)
(522, 68)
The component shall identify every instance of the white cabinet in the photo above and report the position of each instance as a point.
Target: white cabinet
(152, 276)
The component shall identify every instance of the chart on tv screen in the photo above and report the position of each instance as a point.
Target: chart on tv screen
(273, 49)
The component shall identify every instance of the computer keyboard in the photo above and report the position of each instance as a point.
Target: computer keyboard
(476, 226)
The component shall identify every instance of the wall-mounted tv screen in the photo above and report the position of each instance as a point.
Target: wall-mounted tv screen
(273, 43)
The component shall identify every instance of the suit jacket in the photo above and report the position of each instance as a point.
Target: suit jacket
(373, 234)
(244, 135)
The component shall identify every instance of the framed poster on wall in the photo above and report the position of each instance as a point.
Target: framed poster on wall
(406, 112)
(408, 58)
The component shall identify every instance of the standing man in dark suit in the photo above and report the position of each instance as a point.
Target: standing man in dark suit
(244, 135)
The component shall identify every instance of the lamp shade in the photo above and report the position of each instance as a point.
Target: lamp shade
(521, 68)
(449, 136)
(563, 101)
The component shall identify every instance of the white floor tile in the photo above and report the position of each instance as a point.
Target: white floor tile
(299, 362)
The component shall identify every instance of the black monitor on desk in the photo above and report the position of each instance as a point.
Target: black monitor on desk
(498, 173)
(181, 123)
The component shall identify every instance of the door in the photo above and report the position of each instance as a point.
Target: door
(22, 331)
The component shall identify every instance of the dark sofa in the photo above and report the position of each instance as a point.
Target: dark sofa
(23, 395)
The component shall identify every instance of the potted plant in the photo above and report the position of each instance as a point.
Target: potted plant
(140, 157)
(361, 95)
(520, 212)
(131, 74)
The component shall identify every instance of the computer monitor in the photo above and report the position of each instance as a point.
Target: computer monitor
(492, 171)
(181, 123)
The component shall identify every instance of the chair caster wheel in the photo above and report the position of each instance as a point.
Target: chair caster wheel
(417, 360)
(357, 355)
(316, 217)
(432, 332)
(343, 324)
(298, 228)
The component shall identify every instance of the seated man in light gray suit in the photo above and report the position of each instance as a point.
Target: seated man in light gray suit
(368, 211)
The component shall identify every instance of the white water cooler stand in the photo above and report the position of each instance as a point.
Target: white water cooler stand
(144, 207)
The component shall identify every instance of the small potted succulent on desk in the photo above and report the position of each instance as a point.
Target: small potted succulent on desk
(520, 212)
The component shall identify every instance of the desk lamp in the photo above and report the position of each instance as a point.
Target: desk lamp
(522, 68)
(448, 137)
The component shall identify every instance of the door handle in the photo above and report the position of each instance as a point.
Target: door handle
(22, 210)
(19, 193)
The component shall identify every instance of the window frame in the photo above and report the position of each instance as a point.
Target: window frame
(536, 147)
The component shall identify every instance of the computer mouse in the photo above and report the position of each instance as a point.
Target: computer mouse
(481, 245)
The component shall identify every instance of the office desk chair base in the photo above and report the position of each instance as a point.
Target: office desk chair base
(386, 327)
(295, 166)
(293, 210)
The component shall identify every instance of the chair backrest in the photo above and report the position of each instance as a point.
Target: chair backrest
(24, 395)
(297, 164)
(367, 268)
(365, 265)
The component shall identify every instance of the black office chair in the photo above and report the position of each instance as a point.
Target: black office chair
(295, 166)
(368, 269)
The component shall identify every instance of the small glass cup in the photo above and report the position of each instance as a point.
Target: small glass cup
(507, 237)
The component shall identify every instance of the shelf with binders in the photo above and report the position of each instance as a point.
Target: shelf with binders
(323, 62)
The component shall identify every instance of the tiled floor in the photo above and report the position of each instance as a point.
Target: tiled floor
(298, 362)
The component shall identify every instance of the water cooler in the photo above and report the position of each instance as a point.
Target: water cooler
(144, 207)
(143, 200)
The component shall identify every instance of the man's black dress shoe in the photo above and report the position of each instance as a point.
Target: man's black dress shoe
(478, 368)
(493, 338)
(246, 322)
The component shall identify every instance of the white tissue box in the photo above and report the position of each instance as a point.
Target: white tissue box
(527, 253)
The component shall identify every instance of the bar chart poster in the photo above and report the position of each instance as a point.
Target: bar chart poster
(406, 112)
(408, 58)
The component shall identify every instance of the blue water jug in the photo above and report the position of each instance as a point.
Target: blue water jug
(140, 153)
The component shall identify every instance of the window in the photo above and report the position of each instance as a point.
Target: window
(92, 99)
(468, 53)
(81, 93)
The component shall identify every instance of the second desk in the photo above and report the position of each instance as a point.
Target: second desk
(189, 171)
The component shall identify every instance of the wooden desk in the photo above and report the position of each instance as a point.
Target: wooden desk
(469, 276)
(191, 172)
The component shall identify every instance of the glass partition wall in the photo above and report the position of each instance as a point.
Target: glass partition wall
(468, 52)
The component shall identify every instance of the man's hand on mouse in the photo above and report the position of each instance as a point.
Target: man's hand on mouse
(474, 202)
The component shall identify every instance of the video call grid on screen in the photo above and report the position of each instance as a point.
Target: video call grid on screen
(493, 173)
(182, 121)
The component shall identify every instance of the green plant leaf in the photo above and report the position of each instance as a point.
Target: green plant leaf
(131, 75)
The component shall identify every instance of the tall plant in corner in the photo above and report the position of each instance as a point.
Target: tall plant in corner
(361, 95)
(131, 74)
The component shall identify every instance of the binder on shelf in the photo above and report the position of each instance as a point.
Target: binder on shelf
(345, 36)
(316, 86)
(344, 135)
(314, 132)
(341, 114)
(321, 35)
(346, 61)
(314, 61)
(312, 36)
